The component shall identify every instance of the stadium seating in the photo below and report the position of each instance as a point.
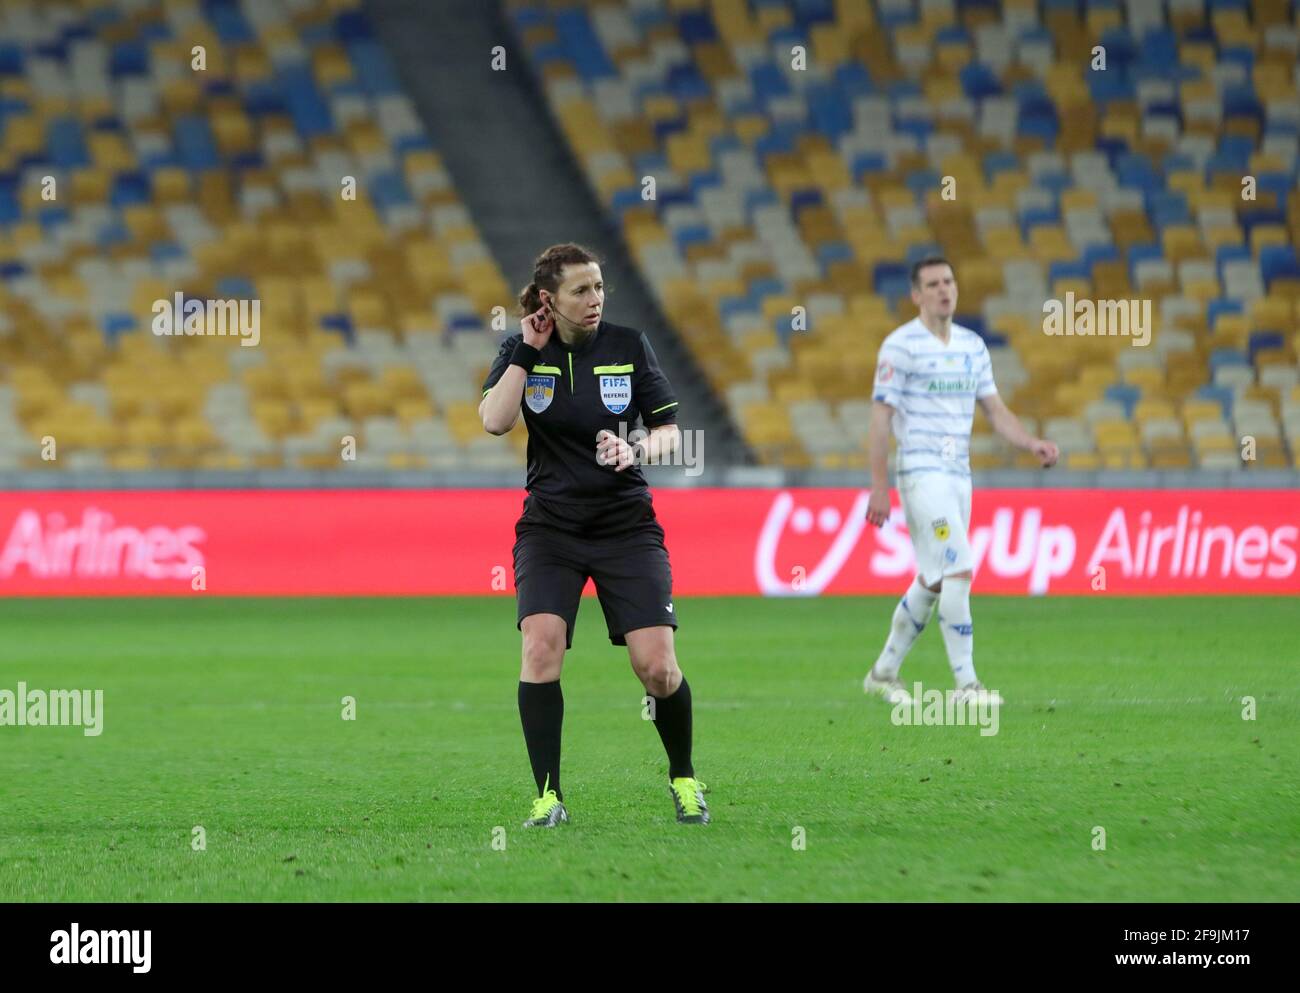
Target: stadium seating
(803, 153)
(225, 179)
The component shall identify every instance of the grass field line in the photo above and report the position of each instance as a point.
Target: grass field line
(508, 705)
(716, 704)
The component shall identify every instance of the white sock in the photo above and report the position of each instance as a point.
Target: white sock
(958, 634)
(909, 621)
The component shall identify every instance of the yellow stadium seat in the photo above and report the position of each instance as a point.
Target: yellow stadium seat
(1267, 234)
(274, 417)
(147, 432)
(1182, 241)
(1201, 410)
(1169, 454)
(1146, 377)
(1149, 410)
(130, 459)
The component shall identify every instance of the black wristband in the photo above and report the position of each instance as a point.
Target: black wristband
(526, 356)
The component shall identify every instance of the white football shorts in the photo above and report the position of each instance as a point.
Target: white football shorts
(937, 508)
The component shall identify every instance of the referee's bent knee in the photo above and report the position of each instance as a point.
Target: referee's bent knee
(543, 651)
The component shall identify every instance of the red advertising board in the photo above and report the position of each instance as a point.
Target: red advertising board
(785, 542)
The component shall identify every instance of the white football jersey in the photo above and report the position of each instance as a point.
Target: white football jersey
(933, 390)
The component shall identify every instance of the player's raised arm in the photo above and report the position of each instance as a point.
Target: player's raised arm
(1009, 427)
(504, 390)
(878, 448)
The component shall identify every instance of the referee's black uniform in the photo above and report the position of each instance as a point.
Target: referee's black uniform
(581, 518)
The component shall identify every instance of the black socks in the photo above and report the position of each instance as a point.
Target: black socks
(673, 722)
(541, 709)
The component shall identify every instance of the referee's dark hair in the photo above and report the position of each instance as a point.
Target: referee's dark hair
(547, 271)
(917, 266)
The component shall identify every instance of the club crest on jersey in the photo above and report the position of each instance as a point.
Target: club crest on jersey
(616, 393)
(940, 528)
(539, 391)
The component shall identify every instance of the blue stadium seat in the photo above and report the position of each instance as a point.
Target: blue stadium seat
(1078, 269)
(195, 147)
(696, 26)
(131, 188)
(66, 144)
(235, 287)
(229, 22)
(128, 58)
(854, 80)
(1221, 357)
(340, 324)
(1093, 254)
(114, 324)
(1260, 340)
(1125, 394)
(1277, 262)
(979, 81)
(1140, 253)
(807, 12)
(1166, 208)
(1158, 52)
(1221, 395)
(881, 272)
(868, 162)
(1229, 253)
(1221, 306)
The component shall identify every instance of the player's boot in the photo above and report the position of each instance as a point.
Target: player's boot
(688, 798)
(891, 690)
(976, 691)
(548, 811)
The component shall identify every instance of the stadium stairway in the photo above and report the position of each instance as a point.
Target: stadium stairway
(514, 171)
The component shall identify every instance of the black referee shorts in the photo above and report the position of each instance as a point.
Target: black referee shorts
(630, 569)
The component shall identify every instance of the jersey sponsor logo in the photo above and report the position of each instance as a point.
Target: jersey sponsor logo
(950, 385)
(885, 373)
(539, 391)
(940, 528)
(616, 393)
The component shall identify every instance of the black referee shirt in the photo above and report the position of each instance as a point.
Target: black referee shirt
(571, 395)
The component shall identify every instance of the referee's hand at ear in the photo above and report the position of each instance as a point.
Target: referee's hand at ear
(615, 451)
(537, 326)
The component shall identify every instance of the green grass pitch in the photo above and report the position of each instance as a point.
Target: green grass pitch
(1123, 714)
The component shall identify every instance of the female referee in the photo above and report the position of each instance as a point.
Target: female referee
(588, 512)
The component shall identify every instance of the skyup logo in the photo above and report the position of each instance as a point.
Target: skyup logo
(77, 947)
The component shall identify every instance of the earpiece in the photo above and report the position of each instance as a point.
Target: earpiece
(551, 308)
